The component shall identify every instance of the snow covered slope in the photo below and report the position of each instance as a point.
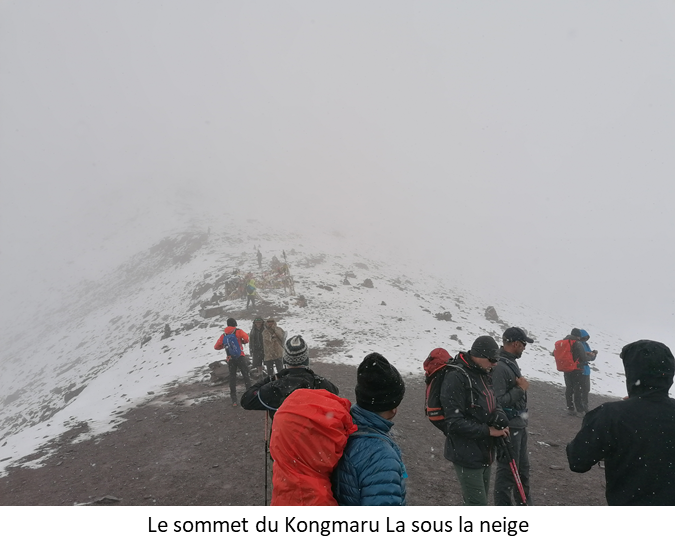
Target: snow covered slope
(100, 350)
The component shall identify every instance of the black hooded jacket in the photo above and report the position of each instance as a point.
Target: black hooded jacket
(635, 437)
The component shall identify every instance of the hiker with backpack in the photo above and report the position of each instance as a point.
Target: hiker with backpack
(273, 343)
(473, 419)
(510, 388)
(270, 392)
(232, 341)
(636, 436)
(371, 470)
(570, 358)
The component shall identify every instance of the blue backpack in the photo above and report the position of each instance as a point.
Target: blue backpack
(231, 343)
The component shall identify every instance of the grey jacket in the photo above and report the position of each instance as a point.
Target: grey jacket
(511, 398)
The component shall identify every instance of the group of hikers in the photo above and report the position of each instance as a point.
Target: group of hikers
(326, 451)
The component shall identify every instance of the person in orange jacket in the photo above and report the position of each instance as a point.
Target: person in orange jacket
(236, 358)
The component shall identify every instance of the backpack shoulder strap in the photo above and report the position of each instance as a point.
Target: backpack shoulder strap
(469, 385)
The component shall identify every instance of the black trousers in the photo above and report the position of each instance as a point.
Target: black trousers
(576, 395)
(238, 364)
(506, 491)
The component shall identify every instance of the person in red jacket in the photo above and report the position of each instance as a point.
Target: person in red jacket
(235, 360)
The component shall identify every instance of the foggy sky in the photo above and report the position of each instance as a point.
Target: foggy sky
(526, 147)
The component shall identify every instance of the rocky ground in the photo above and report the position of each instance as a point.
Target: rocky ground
(191, 447)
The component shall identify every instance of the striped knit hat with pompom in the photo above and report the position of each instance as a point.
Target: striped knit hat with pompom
(296, 353)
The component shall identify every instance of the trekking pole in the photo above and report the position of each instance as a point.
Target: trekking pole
(267, 418)
(514, 467)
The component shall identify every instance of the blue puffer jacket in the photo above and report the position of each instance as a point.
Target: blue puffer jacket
(586, 370)
(370, 471)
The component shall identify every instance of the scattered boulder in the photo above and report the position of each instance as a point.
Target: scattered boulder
(445, 316)
(491, 314)
(219, 372)
(167, 332)
(346, 282)
(301, 301)
(367, 283)
(201, 290)
(350, 274)
(383, 302)
(325, 287)
(209, 312)
(361, 266)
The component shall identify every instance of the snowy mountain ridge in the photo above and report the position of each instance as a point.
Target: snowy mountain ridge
(106, 347)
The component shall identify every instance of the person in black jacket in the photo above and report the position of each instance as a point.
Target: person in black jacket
(255, 344)
(510, 387)
(473, 420)
(270, 392)
(635, 437)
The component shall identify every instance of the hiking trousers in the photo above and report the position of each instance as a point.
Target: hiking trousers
(234, 364)
(475, 484)
(506, 491)
(574, 391)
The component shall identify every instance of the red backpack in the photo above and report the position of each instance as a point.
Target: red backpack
(435, 367)
(564, 360)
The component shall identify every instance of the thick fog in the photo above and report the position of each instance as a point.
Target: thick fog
(524, 147)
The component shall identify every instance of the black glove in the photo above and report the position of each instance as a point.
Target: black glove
(498, 420)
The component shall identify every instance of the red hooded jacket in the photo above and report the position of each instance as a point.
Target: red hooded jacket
(309, 434)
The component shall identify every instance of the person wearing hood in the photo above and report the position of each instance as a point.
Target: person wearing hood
(591, 354)
(635, 437)
(371, 471)
(574, 380)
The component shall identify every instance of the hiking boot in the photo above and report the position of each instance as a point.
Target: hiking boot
(571, 411)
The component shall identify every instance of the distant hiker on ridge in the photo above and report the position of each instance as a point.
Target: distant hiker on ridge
(273, 343)
(251, 291)
(259, 255)
(232, 341)
(256, 346)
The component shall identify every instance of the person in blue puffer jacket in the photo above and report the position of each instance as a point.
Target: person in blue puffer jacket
(591, 354)
(371, 469)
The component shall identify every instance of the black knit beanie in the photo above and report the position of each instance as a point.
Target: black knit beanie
(379, 386)
(486, 347)
(231, 322)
